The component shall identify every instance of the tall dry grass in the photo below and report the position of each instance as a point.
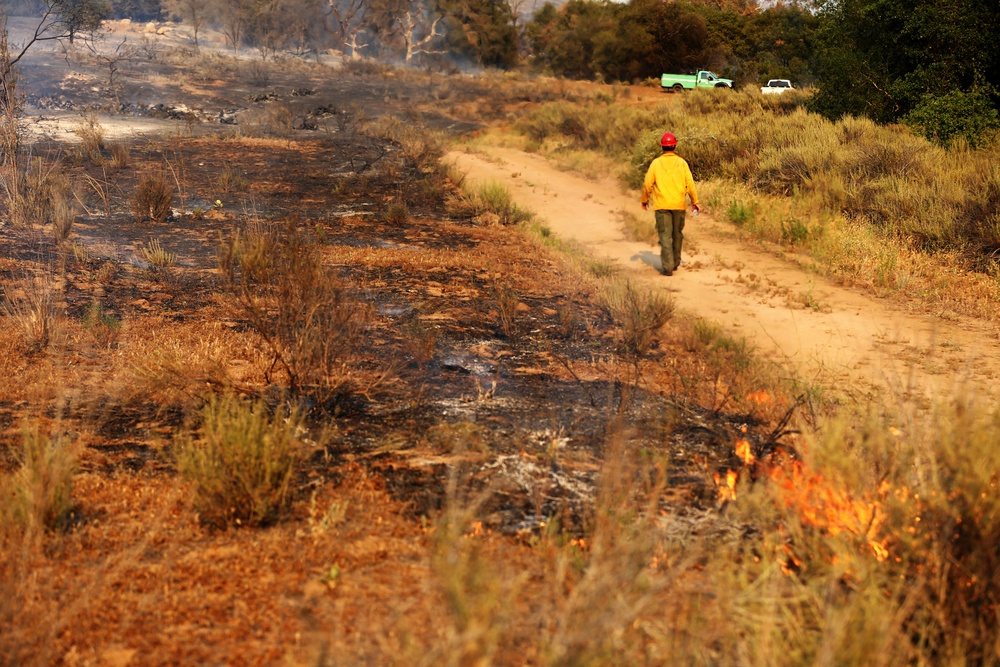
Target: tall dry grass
(875, 546)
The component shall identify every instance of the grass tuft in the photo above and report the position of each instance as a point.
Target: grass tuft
(153, 197)
(241, 464)
(41, 489)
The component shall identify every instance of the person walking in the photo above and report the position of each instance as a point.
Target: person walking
(668, 180)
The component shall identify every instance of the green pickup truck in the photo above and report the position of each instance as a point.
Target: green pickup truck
(703, 79)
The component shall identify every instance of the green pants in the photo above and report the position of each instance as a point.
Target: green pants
(670, 228)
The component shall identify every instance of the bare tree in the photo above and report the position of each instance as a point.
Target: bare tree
(348, 19)
(233, 16)
(61, 19)
(414, 30)
(193, 12)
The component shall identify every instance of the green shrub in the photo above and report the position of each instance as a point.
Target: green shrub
(242, 464)
(740, 213)
(969, 115)
(492, 201)
(103, 326)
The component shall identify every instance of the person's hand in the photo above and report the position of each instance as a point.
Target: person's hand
(645, 206)
(695, 208)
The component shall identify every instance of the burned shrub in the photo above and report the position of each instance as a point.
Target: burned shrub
(301, 310)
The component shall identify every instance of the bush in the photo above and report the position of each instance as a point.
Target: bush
(307, 321)
(639, 313)
(103, 326)
(397, 214)
(41, 489)
(740, 213)
(242, 464)
(969, 115)
(153, 197)
(492, 202)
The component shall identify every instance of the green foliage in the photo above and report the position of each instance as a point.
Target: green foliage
(482, 30)
(642, 39)
(242, 464)
(740, 213)
(492, 201)
(625, 42)
(944, 118)
(102, 326)
(882, 58)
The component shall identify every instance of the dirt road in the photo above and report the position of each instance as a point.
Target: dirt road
(822, 332)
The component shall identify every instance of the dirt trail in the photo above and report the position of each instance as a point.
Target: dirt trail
(823, 332)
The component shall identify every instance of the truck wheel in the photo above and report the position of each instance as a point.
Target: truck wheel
(721, 85)
(678, 88)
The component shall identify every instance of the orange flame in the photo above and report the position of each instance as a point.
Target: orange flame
(745, 451)
(727, 489)
(818, 503)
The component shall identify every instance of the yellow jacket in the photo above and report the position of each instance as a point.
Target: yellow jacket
(668, 179)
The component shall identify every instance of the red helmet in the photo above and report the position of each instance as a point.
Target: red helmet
(668, 140)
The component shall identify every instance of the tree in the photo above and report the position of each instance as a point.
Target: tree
(348, 18)
(418, 28)
(192, 12)
(883, 58)
(62, 19)
(482, 30)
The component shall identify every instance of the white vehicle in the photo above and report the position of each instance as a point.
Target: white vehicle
(776, 86)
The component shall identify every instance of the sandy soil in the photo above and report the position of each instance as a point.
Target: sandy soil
(823, 332)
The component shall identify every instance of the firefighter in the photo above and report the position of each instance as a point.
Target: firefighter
(668, 180)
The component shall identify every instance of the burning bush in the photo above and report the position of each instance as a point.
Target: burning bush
(886, 537)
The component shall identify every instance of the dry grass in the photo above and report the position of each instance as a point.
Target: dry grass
(157, 256)
(40, 491)
(640, 314)
(32, 304)
(91, 135)
(242, 463)
(153, 197)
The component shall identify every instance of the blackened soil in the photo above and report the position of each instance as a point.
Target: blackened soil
(495, 361)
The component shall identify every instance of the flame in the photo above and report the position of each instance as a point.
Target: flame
(727, 489)
(745, 451)
(815, 501)
(760, 397)
(819, 503)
